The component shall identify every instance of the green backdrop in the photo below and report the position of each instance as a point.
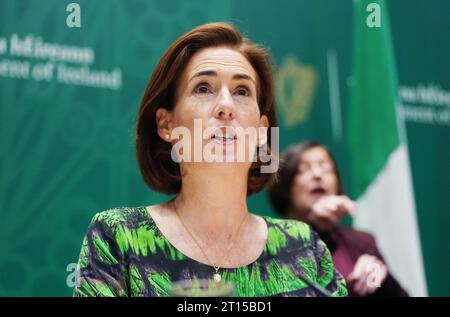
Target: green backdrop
(67, 147)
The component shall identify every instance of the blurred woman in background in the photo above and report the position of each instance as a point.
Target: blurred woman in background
(309, 188)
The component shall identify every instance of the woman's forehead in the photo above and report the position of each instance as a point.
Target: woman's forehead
(317, 153)
(219, 60)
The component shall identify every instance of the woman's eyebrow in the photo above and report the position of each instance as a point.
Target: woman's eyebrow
(214, 74)
(204, 73)
(244, 76)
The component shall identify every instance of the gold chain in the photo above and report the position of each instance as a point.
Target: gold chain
(227, 254)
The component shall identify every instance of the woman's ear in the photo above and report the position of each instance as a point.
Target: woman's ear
(262, 131)
(164, 124)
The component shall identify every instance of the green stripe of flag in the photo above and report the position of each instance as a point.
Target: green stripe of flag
(373, 133)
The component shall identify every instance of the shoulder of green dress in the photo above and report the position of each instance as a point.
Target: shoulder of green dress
(293, 228)
(124, 215)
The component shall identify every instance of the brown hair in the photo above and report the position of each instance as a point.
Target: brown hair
(280, 191)
(159, 171)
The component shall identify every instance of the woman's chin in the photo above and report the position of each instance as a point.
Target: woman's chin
(315, 197)
(225, 165)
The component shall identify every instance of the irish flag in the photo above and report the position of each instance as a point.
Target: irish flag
(381, 177)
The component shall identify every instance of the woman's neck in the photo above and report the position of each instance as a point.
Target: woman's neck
(213, 203)
(296, 214)
(302, 215)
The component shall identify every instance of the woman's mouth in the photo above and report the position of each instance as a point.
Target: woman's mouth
(224, 135)
(223, 140)
(318, 192)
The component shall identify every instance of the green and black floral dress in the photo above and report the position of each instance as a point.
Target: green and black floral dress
(125, 254)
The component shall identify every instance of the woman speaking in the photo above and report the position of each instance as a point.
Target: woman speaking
(209, 86)
(309, 188)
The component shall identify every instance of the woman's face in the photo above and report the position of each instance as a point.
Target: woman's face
(218, 87)
(315, 178)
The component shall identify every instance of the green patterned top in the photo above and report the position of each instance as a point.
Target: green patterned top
(125, 254)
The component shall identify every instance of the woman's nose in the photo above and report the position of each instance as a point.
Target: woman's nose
(225, 109)
(316, 171)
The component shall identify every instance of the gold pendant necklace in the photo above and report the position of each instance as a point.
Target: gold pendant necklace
(216, 275)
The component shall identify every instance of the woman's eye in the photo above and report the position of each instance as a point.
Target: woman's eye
(202, 89)
(242, 91)
(303, 169)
